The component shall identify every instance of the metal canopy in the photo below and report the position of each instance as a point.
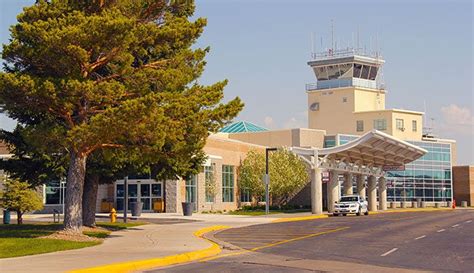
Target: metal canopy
(367, 154)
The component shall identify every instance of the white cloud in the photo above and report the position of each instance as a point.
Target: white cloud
(269, 123)
(456, 120)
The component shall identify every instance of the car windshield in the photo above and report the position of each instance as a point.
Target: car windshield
(349, 199)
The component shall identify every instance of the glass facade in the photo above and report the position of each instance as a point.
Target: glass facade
(428, 178)
(54, 192)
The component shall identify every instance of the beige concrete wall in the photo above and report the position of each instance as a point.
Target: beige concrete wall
(334, 115)
(408, 133)
(300, 137)
(368, 100)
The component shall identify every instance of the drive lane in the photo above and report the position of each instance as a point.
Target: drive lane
(401, 240)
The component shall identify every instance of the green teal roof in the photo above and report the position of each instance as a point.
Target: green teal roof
(242, 127)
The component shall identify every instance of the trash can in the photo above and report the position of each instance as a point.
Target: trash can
(136, 208)
(6, 217)
(187, 208)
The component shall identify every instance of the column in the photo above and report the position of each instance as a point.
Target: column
(382, 193)
(333, 190)
(348, 184)
(316, 191)
(361, 185)
(372, 194)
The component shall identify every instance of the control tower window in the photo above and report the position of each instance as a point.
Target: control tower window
(357, 70)
(373, 73)
(345, 70)
(365, 72)
(321, 73)
(333, 71)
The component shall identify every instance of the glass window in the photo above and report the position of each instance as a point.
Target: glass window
(227, 183)
(156, 190)
(210, 182)
(344, 99)
(357, 70)
(380, 124)
(333, 72)
(53, 194)
(400, 124)
(321, 73)
(373, 73)
(360, 126)
(413, 126)
(191, 184)
(245, 195)
(345, 70)
(365, 72)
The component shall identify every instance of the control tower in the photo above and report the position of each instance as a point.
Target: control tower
(349, 98)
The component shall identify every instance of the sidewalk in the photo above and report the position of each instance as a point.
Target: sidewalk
(138, 243)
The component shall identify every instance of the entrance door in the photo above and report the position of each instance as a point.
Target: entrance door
(148, 191)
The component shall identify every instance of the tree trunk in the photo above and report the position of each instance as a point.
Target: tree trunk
(74, 189)
(89, 200)
(19, 217)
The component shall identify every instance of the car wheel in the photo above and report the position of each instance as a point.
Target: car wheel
(344, 214)
(359, 212)
(366, 212)
(335, 214)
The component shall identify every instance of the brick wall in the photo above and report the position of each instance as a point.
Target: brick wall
(463, 184)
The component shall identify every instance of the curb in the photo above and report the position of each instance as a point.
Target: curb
(131, 266)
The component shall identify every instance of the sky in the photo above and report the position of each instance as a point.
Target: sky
(262, 48)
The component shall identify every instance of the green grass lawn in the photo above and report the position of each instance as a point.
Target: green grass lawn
(22, 240)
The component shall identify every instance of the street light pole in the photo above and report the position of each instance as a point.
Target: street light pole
(267, 181)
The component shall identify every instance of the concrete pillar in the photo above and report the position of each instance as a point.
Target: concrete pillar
(372, 193)
(382, 193)
(348, 184)
(361, 185)
(414, 204)
(404, 204)
(464, 204)
(393, 205)
(316, 191)
(333, 190)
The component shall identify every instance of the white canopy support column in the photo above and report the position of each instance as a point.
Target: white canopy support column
(333, 190)
(316, 191)
(348, 184)
(361, 185)
(382, 193)
(372, 194)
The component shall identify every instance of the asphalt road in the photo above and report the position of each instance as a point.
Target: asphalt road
(440, 241)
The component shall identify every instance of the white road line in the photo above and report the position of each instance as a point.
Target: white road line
(441, 230)
(469, 221)
(389, 252)
(421, 237)
(456, 225)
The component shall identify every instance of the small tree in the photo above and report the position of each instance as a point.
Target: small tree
(18, 196)
(287, 172)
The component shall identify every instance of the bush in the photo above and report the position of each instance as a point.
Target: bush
(18, 196)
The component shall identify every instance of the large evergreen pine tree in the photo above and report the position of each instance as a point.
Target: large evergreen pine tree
(112, 74)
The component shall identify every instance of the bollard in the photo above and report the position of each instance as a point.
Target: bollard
(414, 204)
(404, 205)
(464, 204)
(450, 204)
(393, 205)
(113, 215)
(423, 204)
(437, 205)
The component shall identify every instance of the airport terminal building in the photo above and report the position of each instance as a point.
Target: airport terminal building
(378, 152)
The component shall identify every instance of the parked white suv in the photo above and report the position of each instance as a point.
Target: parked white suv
(351, 204)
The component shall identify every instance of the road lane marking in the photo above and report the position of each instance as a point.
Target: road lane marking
(273, 244)
(389, 252)
(456, 225)
(441, 230)
(421, 237)
(469, 221)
